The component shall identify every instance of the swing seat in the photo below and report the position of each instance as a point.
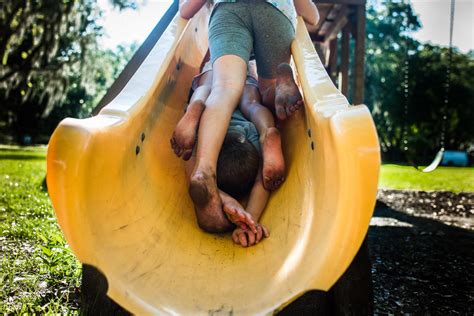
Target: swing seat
(120, 194)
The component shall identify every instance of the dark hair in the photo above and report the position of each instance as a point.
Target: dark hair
(237, 165)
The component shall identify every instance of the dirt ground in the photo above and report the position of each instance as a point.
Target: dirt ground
(422, 251)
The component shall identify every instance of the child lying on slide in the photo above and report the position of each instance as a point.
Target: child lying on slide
(239, 169)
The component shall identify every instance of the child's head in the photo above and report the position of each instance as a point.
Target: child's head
(237, 166)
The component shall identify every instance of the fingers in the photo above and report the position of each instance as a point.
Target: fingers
(235, 236)
(259, 233)
(251, 238)
(247, 238)
(243, 239)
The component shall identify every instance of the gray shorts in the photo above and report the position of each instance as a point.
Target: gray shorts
(238, 28)
(251, 80)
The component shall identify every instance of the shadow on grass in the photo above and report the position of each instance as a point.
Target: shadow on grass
(420, 265)
(21, 156)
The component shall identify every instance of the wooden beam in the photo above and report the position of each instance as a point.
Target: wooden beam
(344, 84)
(339, 22)
(322, 17)
(358, 96)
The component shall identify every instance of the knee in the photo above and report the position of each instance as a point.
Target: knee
(213, 224)
(228, 87)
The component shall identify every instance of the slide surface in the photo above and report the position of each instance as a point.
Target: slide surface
(120, 194)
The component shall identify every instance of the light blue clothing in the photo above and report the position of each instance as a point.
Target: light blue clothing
(238, 123)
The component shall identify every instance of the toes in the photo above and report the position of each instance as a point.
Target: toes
(172, 143)
(178, 151)
(187, 154)
(280, 111)
(288, 111)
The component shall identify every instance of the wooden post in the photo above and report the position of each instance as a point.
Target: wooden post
(358, 91)
(345, 60)
(333, 59)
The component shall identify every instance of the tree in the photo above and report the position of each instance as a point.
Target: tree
(44, 43)
(389, 46)
(80, 100)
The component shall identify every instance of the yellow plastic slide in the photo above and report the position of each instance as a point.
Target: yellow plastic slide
(120, 194)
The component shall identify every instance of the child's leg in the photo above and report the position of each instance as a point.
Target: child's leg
(184, 134)
(273, 34)
(220, 221)
(281, 94)
(229, 73)
(209, 220)
(273, 172)
(230, 44)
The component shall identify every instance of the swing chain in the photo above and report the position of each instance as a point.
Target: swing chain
(405, 84)
(448, 76)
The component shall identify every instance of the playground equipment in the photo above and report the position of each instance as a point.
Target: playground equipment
(455, 158)
(120, 194)
(439, 155)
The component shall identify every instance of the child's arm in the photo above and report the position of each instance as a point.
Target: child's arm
(188, 8)
(258, 198)
(308, 10)
(256, 204)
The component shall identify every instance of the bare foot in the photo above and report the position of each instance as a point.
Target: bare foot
(287, 95)
(238, 215)
(208, 204)
(273, 173)
(184, 134)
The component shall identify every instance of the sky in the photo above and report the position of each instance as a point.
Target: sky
(129, 25)
(435, 16)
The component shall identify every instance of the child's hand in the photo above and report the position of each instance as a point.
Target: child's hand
(247, 238)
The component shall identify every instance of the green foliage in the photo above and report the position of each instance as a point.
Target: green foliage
(45, 48)
(38, 272)
(389, 26)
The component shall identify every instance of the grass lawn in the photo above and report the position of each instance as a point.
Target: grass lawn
(38, 272)
(442, 179)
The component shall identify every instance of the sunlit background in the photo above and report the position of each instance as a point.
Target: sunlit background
(128, 26)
